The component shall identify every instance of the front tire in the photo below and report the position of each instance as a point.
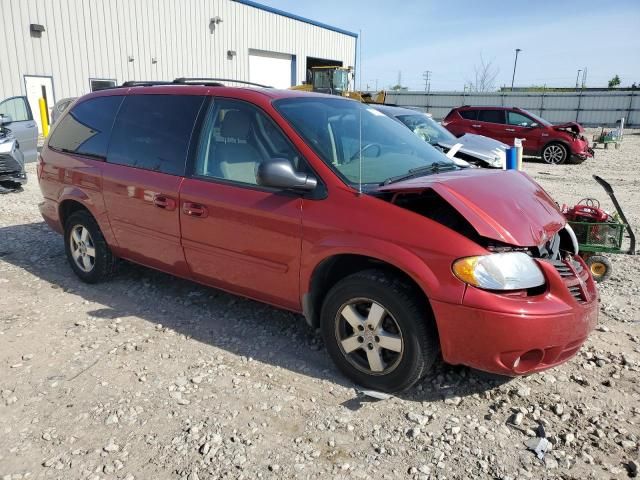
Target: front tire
(378, 330)
(87, 251)
(555, 154)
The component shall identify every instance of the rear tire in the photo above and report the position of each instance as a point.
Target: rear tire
(555, 154)
(600, 267)
(87, 251)
(379, 331)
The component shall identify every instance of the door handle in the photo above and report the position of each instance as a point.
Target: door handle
(194, 210)
(164, 202)
(476, 126)
(510, 129)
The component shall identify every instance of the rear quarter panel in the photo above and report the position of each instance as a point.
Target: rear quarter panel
(72, 177)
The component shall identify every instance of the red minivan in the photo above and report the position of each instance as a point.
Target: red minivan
(323, 206)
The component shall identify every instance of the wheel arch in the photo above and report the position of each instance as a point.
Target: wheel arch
(562, 142)
(333, 268)
(74, 199)
(68, 207)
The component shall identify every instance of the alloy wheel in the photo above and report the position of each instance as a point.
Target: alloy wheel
(83, 249)
(598, 269)
(369, 336)
(554, 154)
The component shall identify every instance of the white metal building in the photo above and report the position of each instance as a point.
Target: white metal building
(70, 47)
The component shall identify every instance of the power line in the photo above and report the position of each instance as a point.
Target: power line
(427, 80)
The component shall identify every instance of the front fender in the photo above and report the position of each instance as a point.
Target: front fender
(435, 279)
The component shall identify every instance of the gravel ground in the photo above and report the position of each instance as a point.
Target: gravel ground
(148, 376)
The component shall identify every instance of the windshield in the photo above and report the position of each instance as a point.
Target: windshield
(340, 80)
(332, 128)
(427, 128)
(322, 79)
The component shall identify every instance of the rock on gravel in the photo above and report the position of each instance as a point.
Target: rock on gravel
(149, 376)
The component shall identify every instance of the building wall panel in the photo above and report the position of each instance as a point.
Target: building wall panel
(93, 39)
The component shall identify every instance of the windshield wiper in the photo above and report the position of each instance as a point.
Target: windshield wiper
(435, 167)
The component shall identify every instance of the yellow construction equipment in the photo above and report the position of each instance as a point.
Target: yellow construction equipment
(335, 81)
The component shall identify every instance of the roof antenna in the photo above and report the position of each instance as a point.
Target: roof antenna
(360, 149)
(360, 121)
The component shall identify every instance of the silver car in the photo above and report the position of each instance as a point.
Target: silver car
(12, 173)
(19, 120)
(475, 149)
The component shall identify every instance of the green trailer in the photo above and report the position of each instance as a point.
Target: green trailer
(596, 238)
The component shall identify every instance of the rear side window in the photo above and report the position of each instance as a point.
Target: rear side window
(85, 130)
(153, 132)
(469, 114)
(491, 116)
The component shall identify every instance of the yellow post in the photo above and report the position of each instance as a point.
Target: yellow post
(43, 117)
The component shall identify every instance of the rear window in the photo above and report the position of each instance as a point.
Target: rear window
(469, 114)
(491, 116)
(154, 131)
(85, 130)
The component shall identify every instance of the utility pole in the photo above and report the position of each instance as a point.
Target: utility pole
(584, 77)
(427, 80)
(577, 77)
(515, 62)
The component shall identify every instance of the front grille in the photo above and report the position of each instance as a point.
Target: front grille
(7, 165)
(574, 276)
(576, 292)
(562, 268)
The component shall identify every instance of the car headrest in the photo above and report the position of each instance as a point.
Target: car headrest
(236, 124)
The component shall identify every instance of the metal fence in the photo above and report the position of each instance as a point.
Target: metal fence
(587, 108)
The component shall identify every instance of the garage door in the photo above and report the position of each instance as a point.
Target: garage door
(271, 68)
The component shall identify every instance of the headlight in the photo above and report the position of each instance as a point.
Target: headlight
(499, 271)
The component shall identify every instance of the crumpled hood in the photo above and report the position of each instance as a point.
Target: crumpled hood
(507, 206)
(572, 126)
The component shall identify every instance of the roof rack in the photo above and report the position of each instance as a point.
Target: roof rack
(144, 83)
(207, 82)
(199, 81)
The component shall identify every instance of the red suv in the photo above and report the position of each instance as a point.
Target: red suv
(323, 206)
(556, 144)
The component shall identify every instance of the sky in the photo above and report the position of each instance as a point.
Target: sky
(448, 38)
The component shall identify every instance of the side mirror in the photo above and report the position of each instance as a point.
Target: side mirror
(5, 119)
(279, 173)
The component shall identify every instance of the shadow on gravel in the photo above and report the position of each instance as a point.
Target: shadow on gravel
(240, 326)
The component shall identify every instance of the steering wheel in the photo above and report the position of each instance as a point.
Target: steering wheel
(364, 149)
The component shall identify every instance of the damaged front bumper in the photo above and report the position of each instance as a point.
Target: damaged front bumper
(517, 334)
(585, 151)
(12, 173)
